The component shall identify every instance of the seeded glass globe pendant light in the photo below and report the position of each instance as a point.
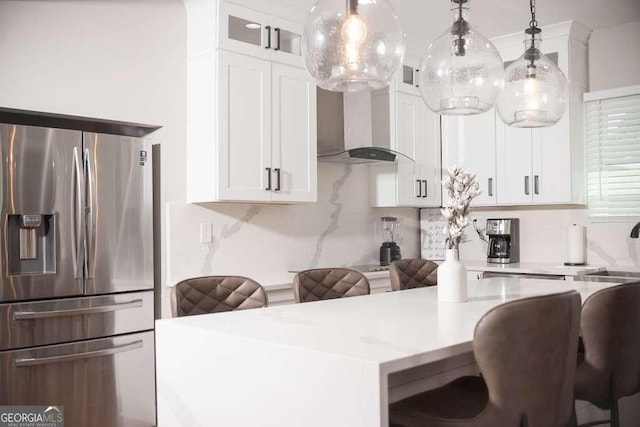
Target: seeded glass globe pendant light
(462, 72)
(536, 91)
(352, 45)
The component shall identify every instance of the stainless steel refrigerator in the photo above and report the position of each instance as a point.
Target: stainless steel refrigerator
(76, 286)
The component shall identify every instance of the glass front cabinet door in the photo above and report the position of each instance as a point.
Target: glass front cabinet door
(249, 32)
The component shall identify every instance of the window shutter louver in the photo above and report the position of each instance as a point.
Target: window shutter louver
(613, 157)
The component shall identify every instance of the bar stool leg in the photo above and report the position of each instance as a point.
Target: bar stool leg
(573, 421)
(614, 414)
(613, 403)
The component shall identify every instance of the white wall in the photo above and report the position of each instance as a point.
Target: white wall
(112, 59)
(614, 56)
(266, 241)
(543, 237)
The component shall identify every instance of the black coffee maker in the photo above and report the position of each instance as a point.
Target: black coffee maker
(389, 251)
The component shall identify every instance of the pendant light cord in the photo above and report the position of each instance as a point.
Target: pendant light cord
(460, 29)
(352, 7)
(533, 30)
(532, 5)
(461, 51)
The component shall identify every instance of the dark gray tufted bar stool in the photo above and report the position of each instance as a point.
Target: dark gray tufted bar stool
(215, 294)
(413, 273)
(609, 364)
(329, 283)
(526, 352)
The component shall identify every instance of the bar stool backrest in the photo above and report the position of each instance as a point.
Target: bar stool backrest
(413, 273)
(329, 283)
(526, 351)
(610, 325)
(214, 294)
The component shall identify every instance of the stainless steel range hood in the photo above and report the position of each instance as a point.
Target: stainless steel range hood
(354, 128)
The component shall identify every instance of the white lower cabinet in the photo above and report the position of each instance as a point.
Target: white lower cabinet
(475, 275)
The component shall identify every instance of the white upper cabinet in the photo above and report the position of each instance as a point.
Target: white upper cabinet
(294, 135)
(259, 34)
(514, 154)
(403, 123)
(530, 166)
(546, 165)
(251, 107)
(287, 41)
(244, 151)
(245, 31)
(535, 167)
(470, 142)
(407, 78)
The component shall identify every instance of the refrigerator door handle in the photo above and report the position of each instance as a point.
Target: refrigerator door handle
(30, 315)
(77, 216)
(30, 361)
(90, 225)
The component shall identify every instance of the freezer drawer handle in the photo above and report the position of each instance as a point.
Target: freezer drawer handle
(20, 363)
(28, 315)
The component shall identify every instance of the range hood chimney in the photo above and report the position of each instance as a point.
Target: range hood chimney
(350, 131)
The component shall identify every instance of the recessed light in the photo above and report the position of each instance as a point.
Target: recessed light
(253, 26)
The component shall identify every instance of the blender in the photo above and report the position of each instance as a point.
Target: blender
(389, 251)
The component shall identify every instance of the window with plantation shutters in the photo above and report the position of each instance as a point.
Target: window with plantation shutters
(613, 154)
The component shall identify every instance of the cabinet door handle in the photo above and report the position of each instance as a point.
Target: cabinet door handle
(277, 171)
(268, 28)
(417, 77)
(426, 192)
(277, 30)
(536, 184)
(419, 187)
(526, 185)
(490, 184)
(268, 179)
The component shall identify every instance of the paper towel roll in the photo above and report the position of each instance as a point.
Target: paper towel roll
(575, 244)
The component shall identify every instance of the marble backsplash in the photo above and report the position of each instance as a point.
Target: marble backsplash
(543, 236)
(264, 242)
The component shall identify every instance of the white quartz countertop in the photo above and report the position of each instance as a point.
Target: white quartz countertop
(556, 269)
(394, 330)
(369, 271)
(288, 361)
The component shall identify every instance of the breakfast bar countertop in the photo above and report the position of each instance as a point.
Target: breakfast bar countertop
(252, 367)
(553, 269)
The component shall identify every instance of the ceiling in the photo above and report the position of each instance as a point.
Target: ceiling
(426, 19)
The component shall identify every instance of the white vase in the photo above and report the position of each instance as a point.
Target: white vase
(452, 279)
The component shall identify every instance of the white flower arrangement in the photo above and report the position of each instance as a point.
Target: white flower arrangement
(462, 186)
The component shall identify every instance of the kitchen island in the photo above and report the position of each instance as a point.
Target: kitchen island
(328, 363)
